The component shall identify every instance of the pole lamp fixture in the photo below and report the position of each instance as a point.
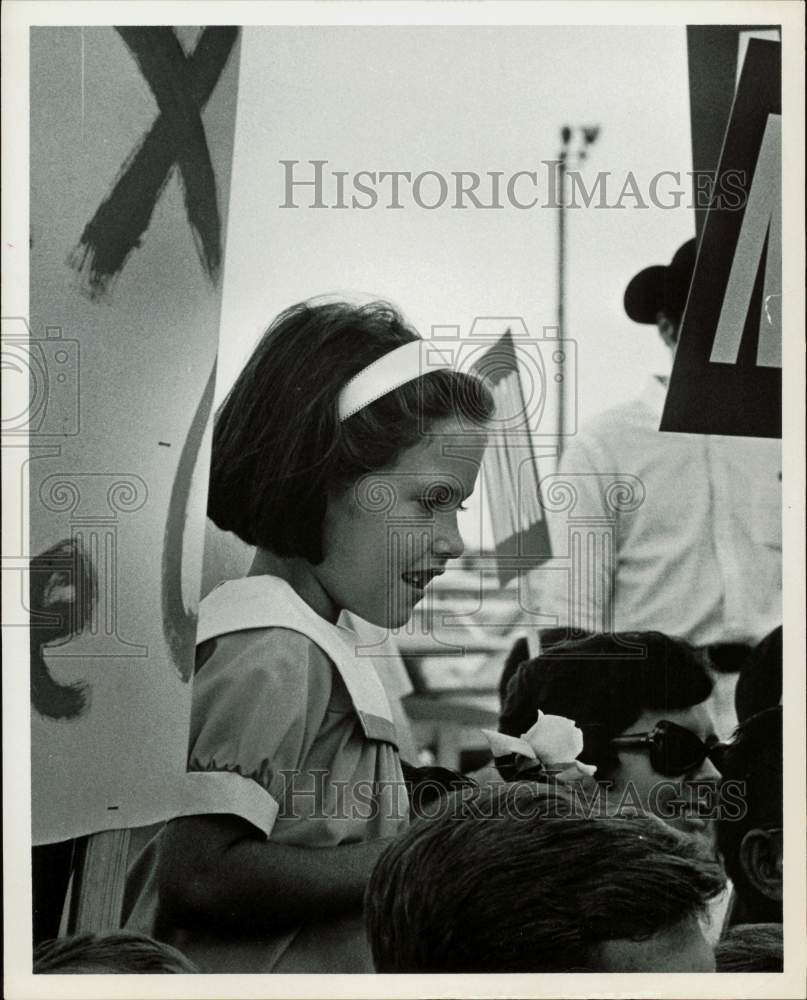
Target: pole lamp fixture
(577, 152)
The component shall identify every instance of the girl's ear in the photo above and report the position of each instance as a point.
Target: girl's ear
(761, 860)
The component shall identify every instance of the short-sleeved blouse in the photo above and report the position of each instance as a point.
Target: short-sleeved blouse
(289, 702)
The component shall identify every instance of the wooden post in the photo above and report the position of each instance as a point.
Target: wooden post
(99, 879)
(561, 305)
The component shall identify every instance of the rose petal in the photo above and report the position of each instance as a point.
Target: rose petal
(577, 771)
(502, 745)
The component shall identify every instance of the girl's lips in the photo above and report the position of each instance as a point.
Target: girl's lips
(420, 579)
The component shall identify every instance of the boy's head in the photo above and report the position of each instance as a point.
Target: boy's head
(85, 954)
(645, 689)
(517, 878)
(749, 832)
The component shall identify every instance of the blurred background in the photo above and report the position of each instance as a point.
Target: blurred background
(446, 99)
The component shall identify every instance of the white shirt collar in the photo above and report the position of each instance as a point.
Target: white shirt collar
(654, 395)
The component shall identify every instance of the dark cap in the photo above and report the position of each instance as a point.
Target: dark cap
(661, 289)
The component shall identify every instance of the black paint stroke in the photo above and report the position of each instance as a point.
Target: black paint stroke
(181, 85)
(63, 594)
(179, 624)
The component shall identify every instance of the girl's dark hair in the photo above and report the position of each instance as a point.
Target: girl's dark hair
(604, 683)
(279, 448)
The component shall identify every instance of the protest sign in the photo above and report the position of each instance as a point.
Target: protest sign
(131, 144)
(727, 373)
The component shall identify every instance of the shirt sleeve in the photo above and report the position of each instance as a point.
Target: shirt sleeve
(259, 700)
(575, 587)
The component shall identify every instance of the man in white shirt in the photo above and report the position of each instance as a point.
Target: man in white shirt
(678, 533)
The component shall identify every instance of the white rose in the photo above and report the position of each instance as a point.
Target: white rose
(577, 771)
(554, 739)
(502, 745)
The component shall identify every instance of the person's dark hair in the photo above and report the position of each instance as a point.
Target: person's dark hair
(519, 652)
(121, 952)
(728, 657)
(759, 685)
(752, 763)
(751, 948)
(279, 448)
(515, 879)
(604, 683)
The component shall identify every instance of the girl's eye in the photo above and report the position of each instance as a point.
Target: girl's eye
(441, 499)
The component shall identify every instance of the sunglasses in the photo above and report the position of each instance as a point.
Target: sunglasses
(673, 749)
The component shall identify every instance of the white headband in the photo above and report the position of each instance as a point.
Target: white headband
(402, 365)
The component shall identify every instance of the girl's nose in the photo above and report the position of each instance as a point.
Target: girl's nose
(447, 538)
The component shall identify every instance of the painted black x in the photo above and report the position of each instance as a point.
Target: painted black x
(181, 85)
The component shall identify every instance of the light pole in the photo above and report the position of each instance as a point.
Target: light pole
(587, 136)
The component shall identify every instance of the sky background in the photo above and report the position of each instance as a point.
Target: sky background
(447, 99)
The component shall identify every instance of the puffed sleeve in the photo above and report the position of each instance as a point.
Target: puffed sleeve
(259, 700)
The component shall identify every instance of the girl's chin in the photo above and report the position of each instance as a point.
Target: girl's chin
(385, 617)
(396, 621)
(392, 613)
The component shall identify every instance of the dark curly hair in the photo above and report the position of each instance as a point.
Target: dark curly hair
(605, 682)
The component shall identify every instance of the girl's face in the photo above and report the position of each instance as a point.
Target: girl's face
(390, 533)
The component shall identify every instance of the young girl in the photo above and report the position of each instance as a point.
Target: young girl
(343, 454)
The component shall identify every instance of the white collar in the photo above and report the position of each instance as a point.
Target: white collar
(655, 394)
(268, 601)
